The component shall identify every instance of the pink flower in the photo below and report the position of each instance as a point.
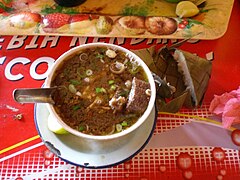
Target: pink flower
(218, 103)
(231, 113)
(227, 105)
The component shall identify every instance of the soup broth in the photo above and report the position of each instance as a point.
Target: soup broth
(102, 92)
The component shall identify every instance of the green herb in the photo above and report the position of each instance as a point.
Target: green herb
(5, 8)
(100, 56)
(50, 9)
(113, 87)
(58, 9)
(101, 50)
(81, 128)
(110, 82)
(204, 10)
(124, 123)
(76, 107)
(193, 21)
(100, 90)
(74, 82)
(134, 70)
(135, 10)
(70, 10)
(128, 64)
(7, 1)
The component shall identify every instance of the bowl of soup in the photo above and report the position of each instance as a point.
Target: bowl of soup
(105, 93)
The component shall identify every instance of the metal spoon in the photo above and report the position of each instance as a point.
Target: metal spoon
(34, 95)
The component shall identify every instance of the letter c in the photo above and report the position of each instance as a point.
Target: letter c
(34, 65)
(9, 66)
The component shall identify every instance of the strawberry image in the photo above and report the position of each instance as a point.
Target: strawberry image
(82, 23)
(24, 20)
(82, 17)
(187, 174)
(218, 154)
(235, 135)
(56, 22)
(184, 161)
(134, 25)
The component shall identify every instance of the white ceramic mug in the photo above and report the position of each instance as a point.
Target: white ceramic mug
(96, 143)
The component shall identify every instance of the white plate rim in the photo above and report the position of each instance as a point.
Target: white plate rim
(51, 147)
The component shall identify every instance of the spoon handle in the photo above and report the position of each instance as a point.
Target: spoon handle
(34, 95)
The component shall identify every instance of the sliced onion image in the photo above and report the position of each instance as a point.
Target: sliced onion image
(161, 25)
(132, 24)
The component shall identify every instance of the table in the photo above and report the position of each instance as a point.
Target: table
(24, 62)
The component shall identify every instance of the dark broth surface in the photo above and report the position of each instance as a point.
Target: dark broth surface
(96, 89)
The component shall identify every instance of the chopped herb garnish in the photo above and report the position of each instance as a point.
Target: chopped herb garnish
(59, 9)
(203, 10)
(5, 8)
(81, 128)
(76, 107)
(110, 82)
(134, 70)
(193, 21)
(74, 82)
(100, 56)
(141, 10)
(124, 123)
(100, 90)
(7, 1)
(113, 87)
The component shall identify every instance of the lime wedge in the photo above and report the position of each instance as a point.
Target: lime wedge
(186, 9)
(54, 126)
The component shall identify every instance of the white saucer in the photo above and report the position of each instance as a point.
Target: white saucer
(66, 146)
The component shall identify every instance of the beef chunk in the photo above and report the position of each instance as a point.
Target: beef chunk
(138, 97)
(117, 103)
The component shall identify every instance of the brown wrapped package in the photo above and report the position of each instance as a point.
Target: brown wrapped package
(190, 81)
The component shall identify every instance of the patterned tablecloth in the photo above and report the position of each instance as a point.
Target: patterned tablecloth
(107, 18)
(190, 144)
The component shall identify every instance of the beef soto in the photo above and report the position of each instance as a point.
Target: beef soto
(104, 91)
